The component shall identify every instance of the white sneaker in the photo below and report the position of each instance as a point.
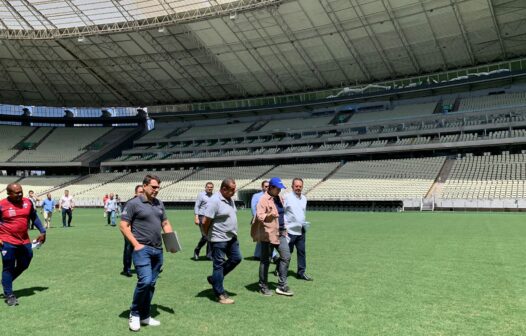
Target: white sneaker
(134, 323)
(150, 321)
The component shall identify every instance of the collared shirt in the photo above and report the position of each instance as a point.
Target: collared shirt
(224, 218)
(200, 204)
(48, 205)
(111, 205)
(66, 202)
(13, 220)
(295, 208)
(254, 201)
(146, 219)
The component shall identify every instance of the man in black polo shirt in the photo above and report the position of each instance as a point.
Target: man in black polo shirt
(142, 221)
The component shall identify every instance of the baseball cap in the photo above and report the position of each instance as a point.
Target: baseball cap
(276, 182)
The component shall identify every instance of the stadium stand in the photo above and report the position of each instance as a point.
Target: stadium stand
(487, 177)
(395, 179)
(11, 136)
(493, 101)
(42, 184)
(62, 145)
(398, 112)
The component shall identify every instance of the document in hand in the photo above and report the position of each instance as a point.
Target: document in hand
(171, 242)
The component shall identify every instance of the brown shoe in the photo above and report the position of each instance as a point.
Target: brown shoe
(224, 299)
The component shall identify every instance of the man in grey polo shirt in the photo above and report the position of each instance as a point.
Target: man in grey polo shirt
(220, 224)
(199, 210)
(142, 221)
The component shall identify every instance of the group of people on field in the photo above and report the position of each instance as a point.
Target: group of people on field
(278, 225)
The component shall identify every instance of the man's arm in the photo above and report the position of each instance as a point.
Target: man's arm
(166, 226)
(196, 209)
(36, 221)
(125, 228)
(207, 221)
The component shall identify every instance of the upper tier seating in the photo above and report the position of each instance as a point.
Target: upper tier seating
(400, 111)
(9, 137)
(492, 101)
(63, 144)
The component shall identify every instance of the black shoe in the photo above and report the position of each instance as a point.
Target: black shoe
(305, 277)
(196, 256)
(276, 273)
(265, 291)
(209, 279)
(126, 274)
(11, 300)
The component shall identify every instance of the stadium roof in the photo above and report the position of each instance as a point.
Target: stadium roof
(151, 52)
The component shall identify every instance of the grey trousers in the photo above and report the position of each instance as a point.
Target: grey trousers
(283, 262)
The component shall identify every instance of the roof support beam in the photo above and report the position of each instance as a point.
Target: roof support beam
(274, 78)
(435, 39)
(401, 35)
(285, 28)
(343, 33)
(215, 61)
(366, 26)
(131, 25)
(497, 29)
(172, 60)
(463, 32)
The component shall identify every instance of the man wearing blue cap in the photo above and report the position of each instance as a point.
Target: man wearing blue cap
(269, 229)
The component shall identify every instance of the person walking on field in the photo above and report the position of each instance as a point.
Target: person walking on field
(67, 205)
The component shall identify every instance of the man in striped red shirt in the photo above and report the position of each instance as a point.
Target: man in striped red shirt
(15, 212)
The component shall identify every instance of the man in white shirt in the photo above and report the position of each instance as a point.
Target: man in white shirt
(111, 207)
(295, 208)
(66, 204)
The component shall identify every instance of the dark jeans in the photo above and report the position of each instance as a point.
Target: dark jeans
(127, 256)
(69, 213)
(283, 262)
(225, 257)
(203, 241)
(148, 262)
(299, 242)
(110, 216)
(15, 260)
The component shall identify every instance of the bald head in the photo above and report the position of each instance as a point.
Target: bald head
(14, 192)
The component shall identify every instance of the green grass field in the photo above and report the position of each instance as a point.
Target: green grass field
(374, 274)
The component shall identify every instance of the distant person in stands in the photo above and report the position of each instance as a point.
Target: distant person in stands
(199, 210)
(66, 204)
(34, 200)
(111, 208)
(48, 207)
(220, 225)
(269, 229)
(15, 212)
(295, 214)
(128, 247)
(253, 205)
(143, 219)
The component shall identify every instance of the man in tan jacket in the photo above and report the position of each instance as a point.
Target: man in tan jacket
(269, 229)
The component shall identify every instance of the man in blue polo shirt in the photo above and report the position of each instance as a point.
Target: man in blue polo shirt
(142, 221)
(220, 224)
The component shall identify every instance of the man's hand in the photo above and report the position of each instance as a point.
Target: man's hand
(138, 247)
(270, 218)
(41, 238)
(196, 220)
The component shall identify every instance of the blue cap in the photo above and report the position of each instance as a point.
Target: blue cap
(276, 182)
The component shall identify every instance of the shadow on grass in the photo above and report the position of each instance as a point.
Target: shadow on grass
(29, 291)
(201, 258)
(154, 311)
(252, 258)
(209, 293)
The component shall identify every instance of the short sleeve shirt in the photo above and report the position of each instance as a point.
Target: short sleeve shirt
(66, 202)
(224, 218)
(145, 219)
(13, 221)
